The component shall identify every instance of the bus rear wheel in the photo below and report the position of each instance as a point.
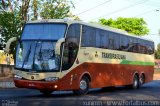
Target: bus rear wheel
(46, 92)
(83, 87)
(141, 80)
(135, 83)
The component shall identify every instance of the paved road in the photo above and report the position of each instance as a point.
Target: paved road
(150, 91)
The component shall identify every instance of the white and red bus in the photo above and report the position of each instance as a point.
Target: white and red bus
(61, 54)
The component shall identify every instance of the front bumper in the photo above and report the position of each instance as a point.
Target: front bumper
(40, 85)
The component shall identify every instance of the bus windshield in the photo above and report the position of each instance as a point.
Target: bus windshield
(36, 49)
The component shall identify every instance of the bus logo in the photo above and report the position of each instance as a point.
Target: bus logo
(32, 77)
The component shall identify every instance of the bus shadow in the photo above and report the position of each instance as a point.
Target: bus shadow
(109, 91)
(97, 91)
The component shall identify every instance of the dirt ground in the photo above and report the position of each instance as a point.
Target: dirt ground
(156, 74)
(156, 77)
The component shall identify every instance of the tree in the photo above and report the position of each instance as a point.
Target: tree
(157, 52)
(57, 9)
(10, 23)
(35, 8)
(136, 26)
(15, 13)
(10, 27)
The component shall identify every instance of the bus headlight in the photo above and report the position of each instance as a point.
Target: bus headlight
(17, 76)
(51, 79)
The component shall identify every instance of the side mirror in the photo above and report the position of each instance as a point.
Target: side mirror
(8, 44)
(58, 46)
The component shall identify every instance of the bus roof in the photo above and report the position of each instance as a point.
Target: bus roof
(96, 25)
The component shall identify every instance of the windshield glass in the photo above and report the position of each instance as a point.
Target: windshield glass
(37, 55)
(36, 50)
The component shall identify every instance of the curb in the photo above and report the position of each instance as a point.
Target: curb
(7, 85)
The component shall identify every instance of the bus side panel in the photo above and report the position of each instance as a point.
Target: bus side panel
(103, 75)
(124, 73)
(116, 75)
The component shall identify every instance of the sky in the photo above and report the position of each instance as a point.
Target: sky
(149, 10)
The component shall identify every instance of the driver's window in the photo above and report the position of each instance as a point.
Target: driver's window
(71, 46)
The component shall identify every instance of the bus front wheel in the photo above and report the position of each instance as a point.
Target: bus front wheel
(83, 86)
(46, 92)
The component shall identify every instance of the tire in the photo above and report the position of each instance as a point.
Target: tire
(83, 87)
(46, 92)
(141, 80)
(135, 83)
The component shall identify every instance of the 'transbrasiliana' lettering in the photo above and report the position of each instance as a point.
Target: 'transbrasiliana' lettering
(113, 56)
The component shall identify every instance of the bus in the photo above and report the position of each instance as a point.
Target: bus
(62, 54)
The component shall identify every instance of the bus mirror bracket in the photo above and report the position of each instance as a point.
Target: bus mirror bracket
(8, 44)
(58, 46)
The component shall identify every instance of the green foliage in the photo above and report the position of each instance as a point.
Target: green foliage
(57, 9)
(157, 52)
(136, 26)
(10, 27)
(15, 13)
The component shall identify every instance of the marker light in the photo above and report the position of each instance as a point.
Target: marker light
(17, 76)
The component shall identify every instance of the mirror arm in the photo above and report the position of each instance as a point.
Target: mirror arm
(8, 44)
(58, 46)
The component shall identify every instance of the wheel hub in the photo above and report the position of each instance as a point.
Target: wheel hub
(83, 85)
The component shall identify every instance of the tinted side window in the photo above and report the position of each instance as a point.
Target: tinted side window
(150, 47)
(141, 46)
(132, 45)
(113, 41)
(123, 43)
(135, 45)
(101, 39)
(73, 33)
(129, 44)
(88, 37)
(117, 41)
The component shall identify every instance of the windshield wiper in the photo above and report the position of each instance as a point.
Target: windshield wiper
(34, 55)
(27, 56)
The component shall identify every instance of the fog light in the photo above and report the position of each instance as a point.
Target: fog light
(55, 86)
